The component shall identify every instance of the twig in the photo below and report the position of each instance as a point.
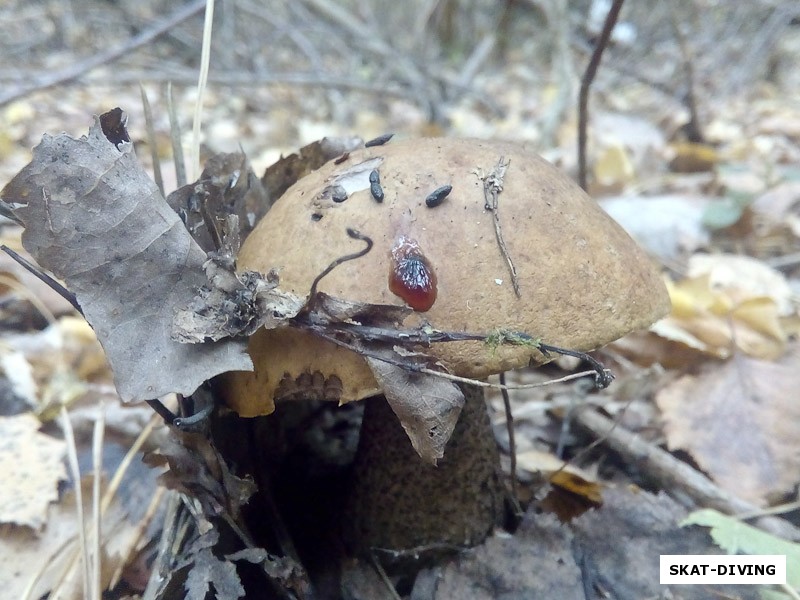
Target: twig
(492, 186)
(44, 277)
(404, 364)
(586, 81)
(76, 70)
(356, 235)
(26, 294)
(362, 33)
(675, 475)
(512, 446)
(166, 545)
(151, 140)
(163, 412)
(603, 377)
(390, 589)
(694, 132)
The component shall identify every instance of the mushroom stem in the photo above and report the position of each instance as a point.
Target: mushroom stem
(401, 504)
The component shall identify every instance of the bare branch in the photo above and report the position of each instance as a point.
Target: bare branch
(81, 68)
(586, 81)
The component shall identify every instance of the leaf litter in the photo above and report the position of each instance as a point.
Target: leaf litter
(222, 273)
(94, 218)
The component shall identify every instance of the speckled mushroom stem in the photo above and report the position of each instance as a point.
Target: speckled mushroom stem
(399, 503)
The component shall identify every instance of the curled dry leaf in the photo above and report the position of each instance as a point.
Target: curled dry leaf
(227, 186)
(283, 174)
(730, 302)
(94, 218)
(427, 406)
(198, 469)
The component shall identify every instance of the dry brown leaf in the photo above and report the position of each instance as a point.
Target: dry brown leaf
(227, 186)
(741, 422)
(94, 218)
(280, 176)
(32, 465)
(427, 406)
(196, 468)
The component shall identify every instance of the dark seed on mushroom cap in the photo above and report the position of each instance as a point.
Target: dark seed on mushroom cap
(379, 141)
(437, 196)
(376, 190)
(338, 193)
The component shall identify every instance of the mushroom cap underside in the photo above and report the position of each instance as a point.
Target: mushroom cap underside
(583, 281)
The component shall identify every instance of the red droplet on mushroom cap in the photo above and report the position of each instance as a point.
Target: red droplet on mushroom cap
(412, 277)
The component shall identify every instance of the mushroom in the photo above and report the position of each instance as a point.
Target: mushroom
(582, 283)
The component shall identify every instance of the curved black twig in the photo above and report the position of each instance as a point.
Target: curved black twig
(356, 235)
(602, 378)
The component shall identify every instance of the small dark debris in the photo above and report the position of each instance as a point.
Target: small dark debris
(113, 124)
(379, 141)
(374, 176)
(377, 191)
(341, 158)
(437, 196)
(337, 193)
(316, 217)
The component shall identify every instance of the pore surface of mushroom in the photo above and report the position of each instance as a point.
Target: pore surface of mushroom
(582, 283)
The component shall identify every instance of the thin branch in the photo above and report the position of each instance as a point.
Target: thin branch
(673, 474)
(512, 446)
(693, 129)
(76, 70)
(390, 589)
(163, 412)
(44, 277)
(492, 186)
(323, 332)
(586, 82)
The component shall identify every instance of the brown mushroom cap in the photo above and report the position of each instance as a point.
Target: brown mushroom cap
(583, 281)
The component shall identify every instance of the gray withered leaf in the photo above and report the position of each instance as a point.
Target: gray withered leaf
(426, 406)
(95, 219)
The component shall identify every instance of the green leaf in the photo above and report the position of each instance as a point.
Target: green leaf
(736, 537)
